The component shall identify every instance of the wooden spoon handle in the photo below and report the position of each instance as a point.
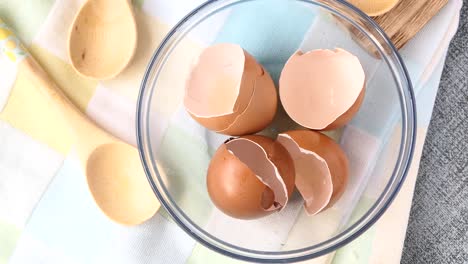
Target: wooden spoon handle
(16, 53)
(46, 85)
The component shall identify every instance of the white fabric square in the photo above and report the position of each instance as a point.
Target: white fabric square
(34, 250)
(362, 150)
(271, 231)
(26, 168)
(68, 227)
(7, 79)
(171, 12)
(114, 113)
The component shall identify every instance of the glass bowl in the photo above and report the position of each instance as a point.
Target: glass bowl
(176, 151)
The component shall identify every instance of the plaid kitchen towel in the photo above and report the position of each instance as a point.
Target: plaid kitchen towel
(46, 212)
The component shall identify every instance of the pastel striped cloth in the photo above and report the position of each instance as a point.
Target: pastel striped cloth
(46, 212)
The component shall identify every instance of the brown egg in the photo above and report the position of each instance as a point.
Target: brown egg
(321, 167)
(322, 89)
(250, 177)
(229, 92)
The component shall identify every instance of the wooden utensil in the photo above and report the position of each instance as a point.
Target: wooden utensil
(374, 7)
(113, 170)
(407, 18)
(103, 38)
(401, 23)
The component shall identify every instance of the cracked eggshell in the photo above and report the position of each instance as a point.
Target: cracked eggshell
(348, 115)
(322, 89)
(229, 92)
(280, 158)
(322, 168)
(260, 111)
(245, 182)
(234, 188)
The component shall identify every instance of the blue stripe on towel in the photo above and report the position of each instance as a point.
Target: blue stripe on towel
(270, 30)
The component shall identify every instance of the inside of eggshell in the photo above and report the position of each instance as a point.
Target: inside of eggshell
(260, 72)
(244, 111)
(255, 157)
(219, 66)
(313, 177)
(309, 81)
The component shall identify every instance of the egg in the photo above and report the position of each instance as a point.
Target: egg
(229, 92)
(321, 168)
(250, 177)
(322, 89)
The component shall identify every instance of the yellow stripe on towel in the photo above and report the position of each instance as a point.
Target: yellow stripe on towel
(30, 111)
(77, 88)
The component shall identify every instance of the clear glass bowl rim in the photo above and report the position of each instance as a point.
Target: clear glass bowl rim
(408, 108)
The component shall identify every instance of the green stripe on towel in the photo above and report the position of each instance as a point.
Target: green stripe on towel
(9, 235)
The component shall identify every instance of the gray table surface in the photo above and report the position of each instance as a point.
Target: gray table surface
(438, 225)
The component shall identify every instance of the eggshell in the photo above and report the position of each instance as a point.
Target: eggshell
(280, 158)
(313, 177)
(325, 160)
(223, 77)
(320, 87)
(260, 110)
(348, 115)
(256, 158)
(235, 189)
(226, 64)
(224, 90)
(250, 177)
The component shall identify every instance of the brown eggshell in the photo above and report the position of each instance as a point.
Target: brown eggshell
(255, 157)
(330, 152)
(230, 177)
(205, 92)
(320, 86)
(313, 177)
(208, 85)
(260, 110)
(346, 117)
(280, 157)
(235, 189)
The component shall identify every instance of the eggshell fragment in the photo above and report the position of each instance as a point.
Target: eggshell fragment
(280, 157)
(246, 180)
(255, 157)
(260, 110)
(226, 88)
(321, 167)
(348, 115)
(321, 87)
(313, 177)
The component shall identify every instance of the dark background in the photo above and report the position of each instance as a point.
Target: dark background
(438, 226)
